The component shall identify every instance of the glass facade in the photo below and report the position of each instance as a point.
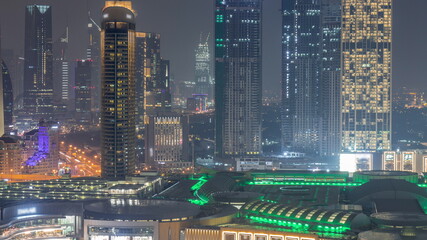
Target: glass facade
(330, 78)
(83, 90)
(120, 233)
(41, 228)
(38, 80)
(92, 53)
(204, 83)
(7, 96)
(366, 75)
(311, 32)
(152, 76)
(300, 72)
(238, 83)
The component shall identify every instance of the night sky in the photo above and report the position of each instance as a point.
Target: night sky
(180, 23)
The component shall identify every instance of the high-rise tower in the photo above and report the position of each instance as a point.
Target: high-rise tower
(238, 84)
(118, 89)
(83, 91)
(330, 78)
(2, 107)
(92, 53)
(7, 97)
(366, 75)
(203, 69)
(300, 72)
(38, 82)
(61, 69)
(311, 76)
(152, 75)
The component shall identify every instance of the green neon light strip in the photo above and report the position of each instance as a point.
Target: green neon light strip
(304, 183)
(290, 183)
(196, 187)
(298, 225)
(199, 184)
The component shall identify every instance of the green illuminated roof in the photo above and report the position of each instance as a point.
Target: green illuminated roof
(313, 215)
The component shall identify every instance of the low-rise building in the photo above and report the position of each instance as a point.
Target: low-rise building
(166, 140)
(10, 155)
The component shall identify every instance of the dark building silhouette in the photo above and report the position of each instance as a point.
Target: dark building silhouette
(330, 78)
(152, 78)
(311, 76)
(15, 66)
(238, 84)
(38, 82)
(7, 98)
(118, 90)
(300, 72)
(61, 70)
(164, 93)
(83, 90)
(93, 53)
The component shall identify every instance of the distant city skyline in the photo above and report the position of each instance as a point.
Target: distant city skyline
(409, 67)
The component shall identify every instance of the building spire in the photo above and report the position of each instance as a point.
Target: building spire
(207, 38)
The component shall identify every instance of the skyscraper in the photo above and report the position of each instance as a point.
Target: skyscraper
(311, 76)
(38, 82)
(83, 90)
(300, 72)
(2, 107)
(93, 54)
(61, 69)
(15, 66)
(238, 84)
(7, 97)
(366, 75)
(164, 93)
(147, 72)
(330, 78)
(203, 69)
(152, 74)
(118, 89)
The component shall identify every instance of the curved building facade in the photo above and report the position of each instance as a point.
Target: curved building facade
(115, 219)
(118, 90)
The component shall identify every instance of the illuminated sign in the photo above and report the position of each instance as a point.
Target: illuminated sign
(24, 211)
(352, 162)
(389, 161)
(408, 161)
(235, 235)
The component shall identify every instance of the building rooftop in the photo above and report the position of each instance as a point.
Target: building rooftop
(386, 189)
(127, 186)
(399, 219)
(386, 173)
(118, 14)
(8, 140)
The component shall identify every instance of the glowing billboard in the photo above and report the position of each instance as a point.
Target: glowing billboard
(352, 162)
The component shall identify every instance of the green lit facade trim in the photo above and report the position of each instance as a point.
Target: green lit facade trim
(300, 227)
(196, 187)
(304, 183)
(327, 184)
(334, 221)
